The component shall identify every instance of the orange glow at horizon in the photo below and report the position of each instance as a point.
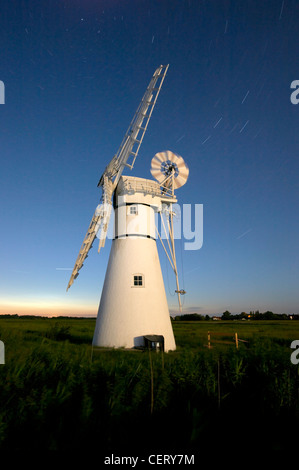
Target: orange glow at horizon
(49, 309)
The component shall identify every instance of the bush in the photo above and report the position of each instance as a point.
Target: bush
(58, 332)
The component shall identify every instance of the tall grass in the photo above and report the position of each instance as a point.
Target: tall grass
(55, 396)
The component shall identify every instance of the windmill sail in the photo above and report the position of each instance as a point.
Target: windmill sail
(133, 138)
(128, 149)
(98, 220)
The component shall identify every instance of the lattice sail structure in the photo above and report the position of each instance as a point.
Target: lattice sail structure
(128, 150)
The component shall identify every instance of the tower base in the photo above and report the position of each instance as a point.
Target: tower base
(133, 303)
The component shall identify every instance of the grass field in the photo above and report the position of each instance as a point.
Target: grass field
(57, 394)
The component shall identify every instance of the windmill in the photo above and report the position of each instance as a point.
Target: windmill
(133, 303)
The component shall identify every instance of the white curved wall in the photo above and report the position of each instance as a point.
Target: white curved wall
(127, 313)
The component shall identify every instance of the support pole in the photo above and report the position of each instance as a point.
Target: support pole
(218, 381)
(173, 247)
(152, 381)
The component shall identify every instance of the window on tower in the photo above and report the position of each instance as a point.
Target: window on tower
(133, 210)
(138, 280)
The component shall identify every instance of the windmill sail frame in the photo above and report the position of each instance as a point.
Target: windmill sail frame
(114, 169)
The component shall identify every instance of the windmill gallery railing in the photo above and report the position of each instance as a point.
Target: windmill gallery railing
(140, 185)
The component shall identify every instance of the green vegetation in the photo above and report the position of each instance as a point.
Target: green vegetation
(238, 316)
(57, 394)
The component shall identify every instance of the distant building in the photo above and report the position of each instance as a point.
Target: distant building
(216, 318)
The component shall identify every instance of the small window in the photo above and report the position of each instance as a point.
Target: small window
(133, 210)
(138, 280)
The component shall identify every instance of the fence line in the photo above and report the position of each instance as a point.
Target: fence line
(235, 336)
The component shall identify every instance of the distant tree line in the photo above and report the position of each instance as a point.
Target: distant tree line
(191, 317)
(185, 317)
(241, 316)
(40, 317)
(268, 315)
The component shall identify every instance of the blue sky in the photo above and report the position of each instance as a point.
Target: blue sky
(74, 74)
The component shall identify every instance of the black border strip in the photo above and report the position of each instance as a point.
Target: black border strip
(133, 204)
(127, 235)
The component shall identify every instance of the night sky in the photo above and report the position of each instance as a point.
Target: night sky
(74, 74)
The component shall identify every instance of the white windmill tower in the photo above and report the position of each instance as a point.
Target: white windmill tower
(133, 305)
